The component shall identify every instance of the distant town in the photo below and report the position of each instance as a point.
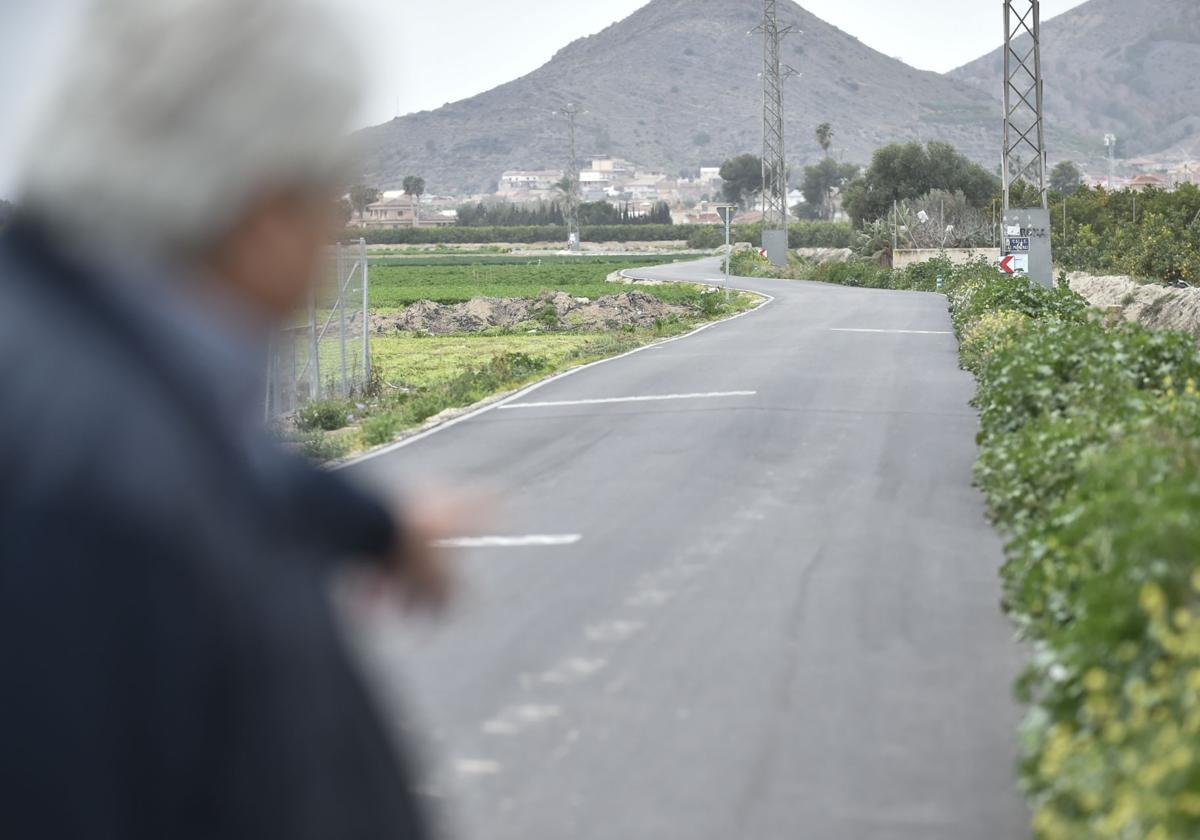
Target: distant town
(691, 197)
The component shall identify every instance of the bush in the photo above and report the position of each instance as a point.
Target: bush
(323, 415)
(807, 234)
(381, 429)
(990, 333)
(321, 447)
(1090, 461)
(1112, 746)
(706, 237)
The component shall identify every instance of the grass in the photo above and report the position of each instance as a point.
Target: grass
(394, 286)
(422, 362)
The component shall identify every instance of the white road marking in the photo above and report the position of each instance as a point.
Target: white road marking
(477, 767)
(510, 542)
(893, 332)
(613, 631)
(649, 598)
(516, 718)
(654, 398)
(573, 670)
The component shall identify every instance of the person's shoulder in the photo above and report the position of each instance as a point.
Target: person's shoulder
(73, 406)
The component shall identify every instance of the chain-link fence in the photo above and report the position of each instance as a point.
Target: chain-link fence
(326, 351)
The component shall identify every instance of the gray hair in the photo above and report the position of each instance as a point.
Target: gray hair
(173, 114)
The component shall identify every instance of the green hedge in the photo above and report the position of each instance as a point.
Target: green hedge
(1090, 461)
(800, 235)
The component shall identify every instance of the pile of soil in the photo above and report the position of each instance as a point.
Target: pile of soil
(549, 310)
(1158, 307)
(825, 255)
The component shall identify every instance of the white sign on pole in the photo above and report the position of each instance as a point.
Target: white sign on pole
(1015, 264)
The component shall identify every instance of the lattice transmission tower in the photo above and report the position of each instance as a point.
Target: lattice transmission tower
(1024, 122)
(774, 161)
(571, 112)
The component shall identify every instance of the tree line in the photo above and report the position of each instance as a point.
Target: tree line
(506, 214)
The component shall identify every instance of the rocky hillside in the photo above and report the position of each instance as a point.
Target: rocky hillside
(676, 86)
(1130, 67)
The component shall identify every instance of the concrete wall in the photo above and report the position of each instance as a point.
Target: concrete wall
(903, 258)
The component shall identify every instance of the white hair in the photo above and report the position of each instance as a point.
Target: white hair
(173, 114)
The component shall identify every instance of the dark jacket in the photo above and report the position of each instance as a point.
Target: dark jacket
(169, 661)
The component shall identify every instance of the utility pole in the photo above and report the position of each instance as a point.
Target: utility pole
(774, 161)
(1110, 142)
(1025, 246)
(1024, 125)
(571, 112)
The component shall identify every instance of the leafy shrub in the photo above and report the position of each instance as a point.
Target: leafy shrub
(1111, 750)
(321, 447)
(865, 273)
(1090, 460)
(989, 334)
(381, 429)
(747, 263)
(323, 415)
(806, 234)
(705, 237)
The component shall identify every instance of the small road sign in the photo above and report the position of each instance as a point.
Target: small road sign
(726, 212)
(1018, 245)
(1015, 264)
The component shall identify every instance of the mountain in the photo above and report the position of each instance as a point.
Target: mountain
(674, 86)
(1129, 67)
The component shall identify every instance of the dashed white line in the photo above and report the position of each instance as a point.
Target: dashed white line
(650, 398)
(477, 767)
(537, 540)
(892, 332)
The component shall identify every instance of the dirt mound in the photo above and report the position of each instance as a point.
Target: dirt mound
(1159, 307)
(825, 255)
(549, 310)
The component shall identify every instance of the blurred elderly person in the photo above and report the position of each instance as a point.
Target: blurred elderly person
(170, 665)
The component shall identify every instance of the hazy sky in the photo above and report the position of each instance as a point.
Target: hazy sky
(424, 53)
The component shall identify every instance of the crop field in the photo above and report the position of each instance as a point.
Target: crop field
(395, 285)
(419, 362)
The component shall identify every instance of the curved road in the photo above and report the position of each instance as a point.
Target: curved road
(767, 612)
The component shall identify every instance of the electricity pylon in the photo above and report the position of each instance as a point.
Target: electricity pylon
(774, 161)
(1024, 123)
(571, 112)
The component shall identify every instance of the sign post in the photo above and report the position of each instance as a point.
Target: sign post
(727, 212)
(1026, 245)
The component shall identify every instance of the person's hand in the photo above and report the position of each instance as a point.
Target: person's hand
(423, 563)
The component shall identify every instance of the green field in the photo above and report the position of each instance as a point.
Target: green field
(397, 284)
(417, 376)
(421, 362)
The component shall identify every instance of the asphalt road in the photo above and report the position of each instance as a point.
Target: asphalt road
(779, 614)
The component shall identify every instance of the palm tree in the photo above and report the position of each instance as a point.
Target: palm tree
(414, 188)
(825, 137)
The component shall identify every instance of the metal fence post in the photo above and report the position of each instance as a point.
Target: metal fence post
(366, 303)
(341, 305)
(314, 349)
